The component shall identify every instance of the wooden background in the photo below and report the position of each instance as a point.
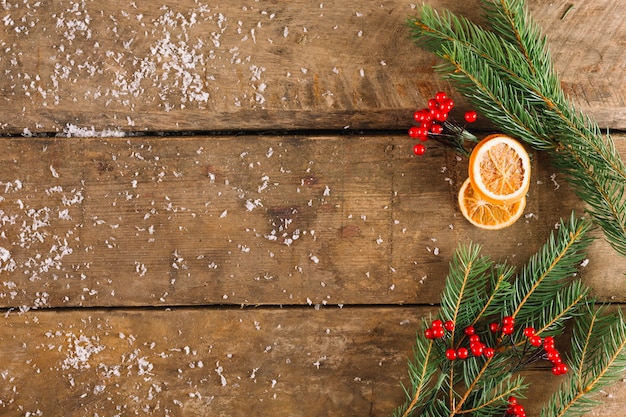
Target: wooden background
(213, 208)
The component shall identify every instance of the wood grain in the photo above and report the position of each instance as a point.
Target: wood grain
(252, 220)
(130, 266)
(199, 362)
(204, 362)
(103, 67)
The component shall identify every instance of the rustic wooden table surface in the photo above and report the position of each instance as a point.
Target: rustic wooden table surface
(211, 208)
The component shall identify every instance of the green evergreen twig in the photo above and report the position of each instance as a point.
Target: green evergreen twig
(540, 286)
(598, 359)
(541, 295)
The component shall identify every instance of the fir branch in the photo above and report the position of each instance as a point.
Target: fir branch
(543, 276)
(421, 371)
(565, 305)
(492, 371)
(474, 287)
(501, 290)
(598, 358)
(484, 70)
(489, 400)
(511, 20)
(466, 277)
(530, 74)
(509, 77)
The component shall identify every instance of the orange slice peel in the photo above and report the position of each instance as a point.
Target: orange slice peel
(487, 215)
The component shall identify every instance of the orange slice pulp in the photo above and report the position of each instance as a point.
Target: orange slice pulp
(499, 169)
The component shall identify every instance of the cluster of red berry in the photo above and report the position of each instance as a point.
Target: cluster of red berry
(551, 353)
(477, 348)
(515, 409)
(506, 327)
(437, 329)
(432, 121)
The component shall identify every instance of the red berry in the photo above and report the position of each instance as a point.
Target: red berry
(451, 354)
(529, 331)
(512, 400)
(469, 330)
(559, 369)
(470, 116)
(438, 332)
(474, 338)
(449, 325)
(441, 96)
(441, 116)
(433, 104)
(494, 327)
(517, 410)
(437, 129)
(413, 132)
(554, 357)
(489, 352)
(462, 353)
(422, 132)
(548, 343)
(419, 149)
(477, 349)
(422, 115)
(426, 124)
(508, 320)
(535, 341)
(446, 105)
(428, 333)
(508, 329)
(437, 324)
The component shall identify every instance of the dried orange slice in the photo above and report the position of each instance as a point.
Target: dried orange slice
(486, 215)
(499, 169)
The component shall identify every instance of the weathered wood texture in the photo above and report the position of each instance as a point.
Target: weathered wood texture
(293, 362)
(251, 220)
(133, 65)
(144, 246)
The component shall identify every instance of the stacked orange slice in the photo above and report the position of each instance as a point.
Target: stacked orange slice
(494, 195)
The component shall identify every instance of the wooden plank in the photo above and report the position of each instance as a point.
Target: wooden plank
(80, 67)
(211, 362)
(194, 362)
(251, 220)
